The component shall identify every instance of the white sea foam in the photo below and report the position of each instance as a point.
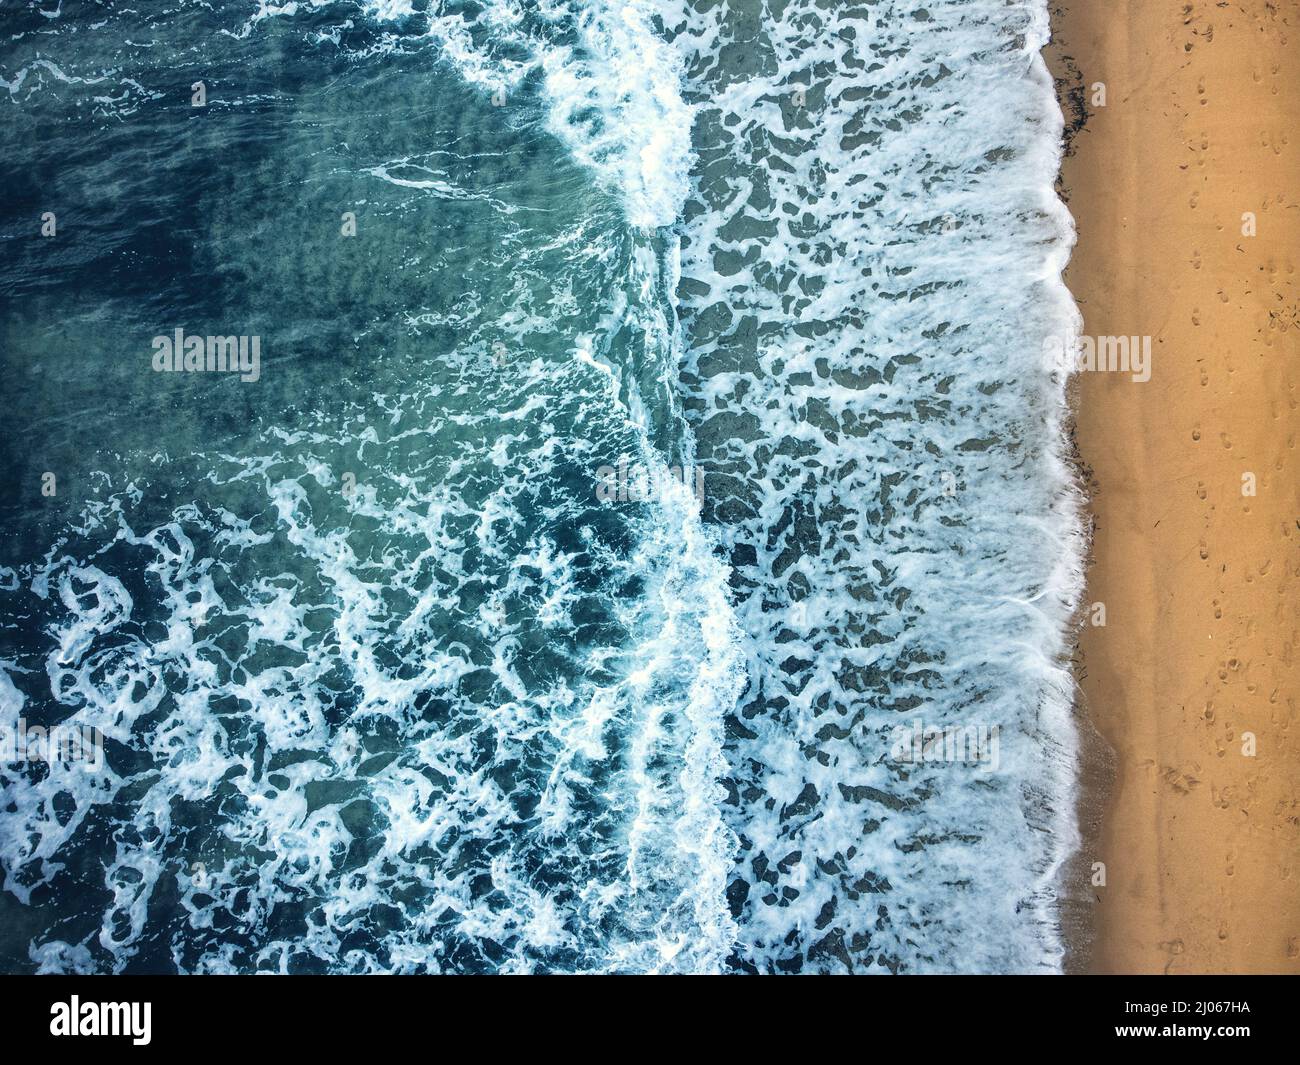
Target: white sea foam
(615, 100)
(871, 279)
(611, 89)
(610, 83)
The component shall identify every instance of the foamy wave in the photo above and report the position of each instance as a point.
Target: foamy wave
(615, 99)
(869, 290)
(610, 85)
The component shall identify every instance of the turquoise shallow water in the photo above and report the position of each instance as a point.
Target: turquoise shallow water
(386, 680)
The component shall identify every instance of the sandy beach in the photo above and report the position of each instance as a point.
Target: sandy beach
(1181, 174)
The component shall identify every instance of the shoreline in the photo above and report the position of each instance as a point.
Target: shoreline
(1179, 175)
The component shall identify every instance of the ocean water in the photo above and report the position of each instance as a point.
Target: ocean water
(649, 430)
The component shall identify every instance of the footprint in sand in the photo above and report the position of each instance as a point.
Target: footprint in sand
(1172, 947)
(1179, 781)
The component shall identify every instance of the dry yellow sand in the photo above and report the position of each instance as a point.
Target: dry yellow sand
(1198, 137)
